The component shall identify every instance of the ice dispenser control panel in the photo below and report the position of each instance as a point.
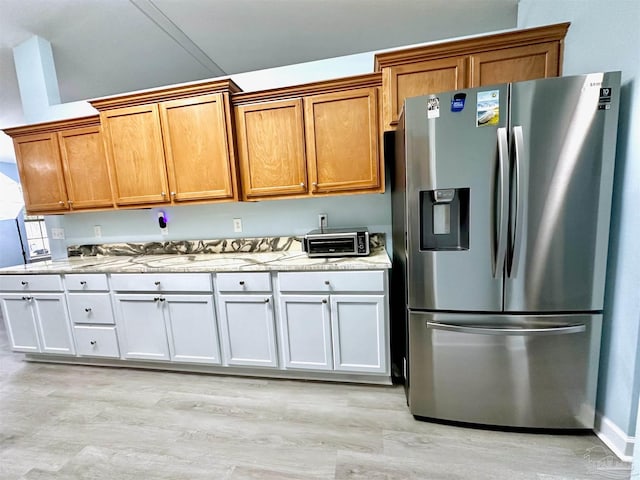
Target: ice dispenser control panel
(444, 217)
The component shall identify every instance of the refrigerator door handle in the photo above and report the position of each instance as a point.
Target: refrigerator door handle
(563, 330)
(501, 214)
(516, 227)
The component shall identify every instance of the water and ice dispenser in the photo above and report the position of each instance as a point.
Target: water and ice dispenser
(445, 219)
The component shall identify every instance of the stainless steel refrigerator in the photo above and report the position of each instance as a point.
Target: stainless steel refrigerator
(501, 206)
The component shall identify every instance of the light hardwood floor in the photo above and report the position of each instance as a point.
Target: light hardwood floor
(75, 422)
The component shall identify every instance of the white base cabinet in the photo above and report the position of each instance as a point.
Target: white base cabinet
(306, 332)
(341, 326)
(38, 323)
(247, 330)
(358, 332)
(319, 325)
(179, 328)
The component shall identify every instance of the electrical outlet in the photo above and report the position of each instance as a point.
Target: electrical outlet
(97, 231)
(57, 233)
(323, 220)
(237, 224)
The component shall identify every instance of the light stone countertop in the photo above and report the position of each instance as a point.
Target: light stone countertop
(217, 262)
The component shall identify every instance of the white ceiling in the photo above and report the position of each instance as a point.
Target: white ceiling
(103, 47)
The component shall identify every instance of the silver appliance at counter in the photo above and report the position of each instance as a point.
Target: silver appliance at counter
(501, 207)
(336, 242)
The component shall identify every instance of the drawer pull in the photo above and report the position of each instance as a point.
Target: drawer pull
(155, 299)
(266, 300)
(161, 299)
(327, 282)
(93, 342)
(24, 298)
(241, 282)
(87, 310)
(24, 283)
(83, 283)
(324, 300)
(157, 283)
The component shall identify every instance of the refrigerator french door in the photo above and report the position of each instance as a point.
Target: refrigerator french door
(505, 203)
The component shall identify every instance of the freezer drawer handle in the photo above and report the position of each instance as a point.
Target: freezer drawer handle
(578, 328)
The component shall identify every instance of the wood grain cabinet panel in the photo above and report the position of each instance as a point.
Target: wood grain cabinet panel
(271, 148)
(196, 145)
(515, 64)
(133, 141)
(515, 56)
(38, 159)
(415, 79)
(342, 140)
(85, 168)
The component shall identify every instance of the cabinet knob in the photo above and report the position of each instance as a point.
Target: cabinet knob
(155, 299)
(60, 202)
(93, 342)
(87, 309)
(173, 194)
(24, 298)
(164, 194)
(327, 282)
(266, 300)
(70, 202)
(324, 300)
(24, 283)
(157, 283)
(302, 184)
(241, 282)
(161, 299)
(83, 283)
(314, 184)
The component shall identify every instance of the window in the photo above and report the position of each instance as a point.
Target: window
(37, 238)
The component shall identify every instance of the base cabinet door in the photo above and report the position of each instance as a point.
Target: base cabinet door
(358, 332)
(306, 331)
(191, 328)
(53, 323)
(247, 330)
(20, 321)
(141, 325)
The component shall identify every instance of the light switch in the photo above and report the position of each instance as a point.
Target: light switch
(57, 233)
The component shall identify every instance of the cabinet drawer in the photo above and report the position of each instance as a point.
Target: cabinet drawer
(86, 282)
(369, 281)
(91, 308)
(30, 283)
(244, 282)
(96, 341)
(162, 282)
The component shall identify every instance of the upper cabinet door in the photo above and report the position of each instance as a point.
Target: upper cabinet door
(38, 159)
(85, 167)
(420, 78)
(133, 142)
(342, 141)
(196, 144)
(515, 64)
(271, 148)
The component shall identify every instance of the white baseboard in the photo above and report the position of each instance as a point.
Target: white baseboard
(613, 437)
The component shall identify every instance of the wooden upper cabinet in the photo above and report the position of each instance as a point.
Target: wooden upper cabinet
(414, 79)
(343, 141)
(40, 170)
(271, 148)
(515, 64)
(313, 139)
(485, 60)
(85, 168)
(196, 145)
(62, 165)
(171, 145)
(133, 141)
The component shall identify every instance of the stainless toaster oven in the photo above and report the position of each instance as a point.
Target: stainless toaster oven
(336, 242)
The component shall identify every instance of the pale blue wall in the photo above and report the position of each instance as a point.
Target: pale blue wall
(604, 35)
(10, 249)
